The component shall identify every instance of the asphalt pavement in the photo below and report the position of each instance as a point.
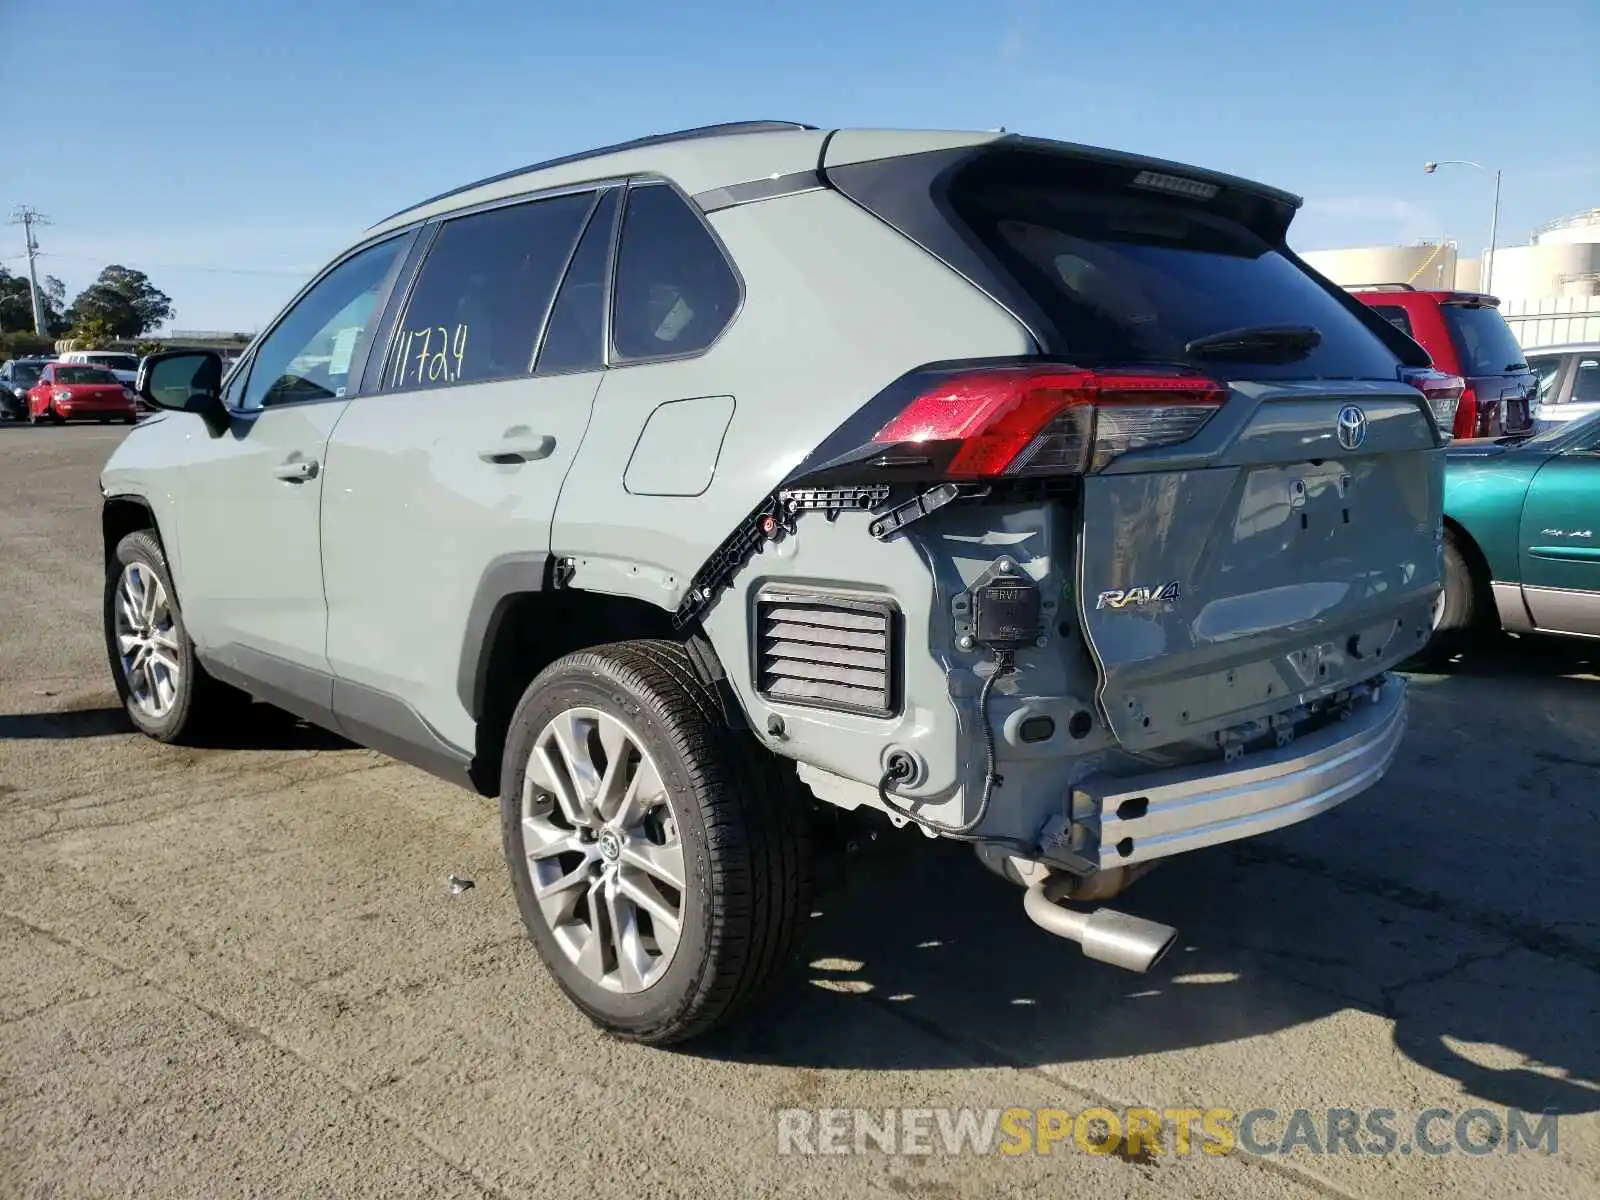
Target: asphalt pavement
(240, 971)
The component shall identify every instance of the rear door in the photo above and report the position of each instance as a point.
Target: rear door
(1560, 547)
(449, 465)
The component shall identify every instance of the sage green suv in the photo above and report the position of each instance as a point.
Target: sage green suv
(688, 492)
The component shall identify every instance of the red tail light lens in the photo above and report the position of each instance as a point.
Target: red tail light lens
(1031, 421)
(1444, 393)
(1467, 414)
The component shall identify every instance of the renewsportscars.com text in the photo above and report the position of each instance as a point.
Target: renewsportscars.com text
(1165, 1131)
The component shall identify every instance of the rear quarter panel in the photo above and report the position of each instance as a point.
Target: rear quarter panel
(836, 307)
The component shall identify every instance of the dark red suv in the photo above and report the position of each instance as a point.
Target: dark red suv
(1467, 336)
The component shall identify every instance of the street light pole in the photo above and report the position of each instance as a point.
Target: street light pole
(1494, 216)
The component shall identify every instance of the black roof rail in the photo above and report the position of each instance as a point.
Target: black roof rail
(726, 129)
(1379, 287)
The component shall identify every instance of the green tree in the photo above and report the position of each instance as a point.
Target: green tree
(93, 333)
(122, 299)
(16, 304)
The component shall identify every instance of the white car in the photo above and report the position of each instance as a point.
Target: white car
(123, 365)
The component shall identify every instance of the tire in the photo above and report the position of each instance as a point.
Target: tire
(742, 832)
(1459, 612)
(195, 702)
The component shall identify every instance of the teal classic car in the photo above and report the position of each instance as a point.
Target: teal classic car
(1520, 550)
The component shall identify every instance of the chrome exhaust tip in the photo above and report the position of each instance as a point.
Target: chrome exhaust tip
(1105, 934)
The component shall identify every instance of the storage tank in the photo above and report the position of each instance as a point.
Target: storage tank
(1427, 265)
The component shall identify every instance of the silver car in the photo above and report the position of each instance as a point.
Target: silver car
(1569, 382)
(686, 492)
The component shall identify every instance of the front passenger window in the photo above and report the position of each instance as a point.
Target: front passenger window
(307, 357)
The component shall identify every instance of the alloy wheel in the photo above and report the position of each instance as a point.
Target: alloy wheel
(147, 640)
(603, 850)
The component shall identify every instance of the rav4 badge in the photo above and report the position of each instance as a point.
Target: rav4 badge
(1139, 597)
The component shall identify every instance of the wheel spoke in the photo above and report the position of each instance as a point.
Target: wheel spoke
(661, 862)
(127, 644)
(663, 917)
(542, 839)
(167, 637)
(612, 790)
(591, 960)
(645, 792)
(164, 660)
(545, 775)
(575, 757)
(152, 590)
(633, 961)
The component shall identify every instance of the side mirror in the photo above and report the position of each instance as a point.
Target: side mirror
(185, 381)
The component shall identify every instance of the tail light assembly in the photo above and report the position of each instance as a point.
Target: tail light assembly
(1444, 393)
(1010, 422)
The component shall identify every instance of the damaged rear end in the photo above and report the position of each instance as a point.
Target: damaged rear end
(1173, 555)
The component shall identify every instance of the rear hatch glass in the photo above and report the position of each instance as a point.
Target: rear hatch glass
(1483, 340)
(1494, 363)
(1134, 278)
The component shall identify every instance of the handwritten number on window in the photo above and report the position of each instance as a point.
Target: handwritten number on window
(421, 358)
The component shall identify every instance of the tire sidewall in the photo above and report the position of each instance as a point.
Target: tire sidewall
(142, 548)
(568, 687)
(1456, 614)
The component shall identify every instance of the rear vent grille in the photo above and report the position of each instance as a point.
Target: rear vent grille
(827, 651)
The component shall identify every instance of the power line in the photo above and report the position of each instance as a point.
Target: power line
(28, 217)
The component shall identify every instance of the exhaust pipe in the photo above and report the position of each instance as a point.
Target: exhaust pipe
(1106, 935)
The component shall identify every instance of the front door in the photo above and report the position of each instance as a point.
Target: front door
(249, 503)
(1561, 541)
(446, 471)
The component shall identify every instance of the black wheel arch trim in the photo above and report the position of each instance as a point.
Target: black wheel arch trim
(506, 578)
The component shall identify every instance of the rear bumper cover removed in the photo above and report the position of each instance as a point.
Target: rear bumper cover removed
(1172, 811)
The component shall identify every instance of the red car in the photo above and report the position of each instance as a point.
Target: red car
(74, 392)
(1467, 336)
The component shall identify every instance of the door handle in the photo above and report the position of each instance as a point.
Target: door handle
(296, 470)
(519, 449)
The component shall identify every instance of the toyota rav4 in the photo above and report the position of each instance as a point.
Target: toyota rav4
(686, 492)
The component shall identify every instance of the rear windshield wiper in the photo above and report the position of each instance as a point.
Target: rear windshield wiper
(1257, 343)
(1517, 366)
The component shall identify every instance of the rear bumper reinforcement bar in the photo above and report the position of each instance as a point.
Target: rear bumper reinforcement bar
(1171, 811)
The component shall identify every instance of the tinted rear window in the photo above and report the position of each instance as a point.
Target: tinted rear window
(84, 375)
(1483, 339)
(1395, 315)
(1132, 277)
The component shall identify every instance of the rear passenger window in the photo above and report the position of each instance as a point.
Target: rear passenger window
(1586, 383)
(675, 291)
(574, 340)
(482, 294)
(1396, 316)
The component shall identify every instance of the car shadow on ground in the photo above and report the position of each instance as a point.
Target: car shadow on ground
(1490, 990)
(264, 728)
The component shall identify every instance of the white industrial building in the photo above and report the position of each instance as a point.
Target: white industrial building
(1549, 289)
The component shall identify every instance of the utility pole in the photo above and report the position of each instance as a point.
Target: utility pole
(28, 218)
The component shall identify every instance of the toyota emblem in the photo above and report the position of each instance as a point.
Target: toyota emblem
(1351, 427)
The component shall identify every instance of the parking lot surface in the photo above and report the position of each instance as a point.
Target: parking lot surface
(240, 971)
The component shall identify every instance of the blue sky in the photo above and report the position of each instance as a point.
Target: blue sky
(228, 152)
